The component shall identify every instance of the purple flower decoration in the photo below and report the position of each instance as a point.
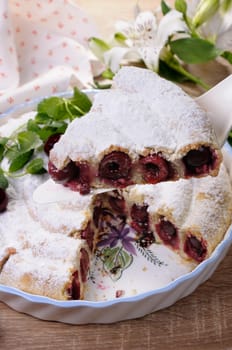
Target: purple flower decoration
(119, 234)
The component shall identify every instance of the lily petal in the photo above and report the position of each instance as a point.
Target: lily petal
(226, 21)
(191, 8)
(170, 24)
(113, 57)
(150, 56)
(125, 27)
(146, 23)
(224, 40)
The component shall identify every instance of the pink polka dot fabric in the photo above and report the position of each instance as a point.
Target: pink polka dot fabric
(44, 49)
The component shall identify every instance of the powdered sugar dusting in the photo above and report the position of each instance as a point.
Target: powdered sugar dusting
(141, 111)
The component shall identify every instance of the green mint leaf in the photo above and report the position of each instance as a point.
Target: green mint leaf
(230, 138)
(28, 140)
(36, 166)
(81, 100)
(3, 180)
(61, 129)
(60, 109)
(60, 112)
(228, 56)
(2, 150)
(181, 6)
(42, 118)
(57, 124)
(3, 142)
(52, 108)
(12, 152)
(20, 160)
(32, 126)
(194, 50)
(46, 132)
(49, 106)
(165, 8)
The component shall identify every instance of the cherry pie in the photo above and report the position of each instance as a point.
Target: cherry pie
(142, 131)
(130, 146)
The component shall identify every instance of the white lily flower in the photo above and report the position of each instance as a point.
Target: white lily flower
(145, 38)
(218, 28)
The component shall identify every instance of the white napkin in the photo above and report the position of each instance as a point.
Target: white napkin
(44, 49)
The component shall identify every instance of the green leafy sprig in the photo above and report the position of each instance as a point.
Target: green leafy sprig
(24, 149)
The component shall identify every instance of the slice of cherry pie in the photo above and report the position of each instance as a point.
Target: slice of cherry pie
(142, 131)
(46, 263)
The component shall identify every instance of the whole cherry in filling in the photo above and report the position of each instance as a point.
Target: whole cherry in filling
(195, 248)
(199, 161)
(168, 233)
(154, 168)
(81, 182)
(74, 290)
(63, 175)
(50, 142)
(117, 203)
(140, 218)
(146, 239)
(88, 235)
(115, 168)
(84, 264)
(76, 176)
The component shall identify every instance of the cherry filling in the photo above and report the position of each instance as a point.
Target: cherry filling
(74, 290)
(63, 175)
(195, 248)
(115, 168)
(3, 200)
(81, 182)
(146, 239)
(104, 219)
(96, 215)
(154, 168)
(117, 203)
(88, 235)
(199, 161)
(168, 233)
(84, 264)
(50, 142)
(77, 176)
(140, 218)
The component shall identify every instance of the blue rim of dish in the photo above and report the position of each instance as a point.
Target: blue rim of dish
(214, 258)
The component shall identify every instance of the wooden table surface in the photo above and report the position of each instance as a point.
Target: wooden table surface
(202, 320)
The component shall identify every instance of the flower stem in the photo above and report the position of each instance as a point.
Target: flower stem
(178, 68)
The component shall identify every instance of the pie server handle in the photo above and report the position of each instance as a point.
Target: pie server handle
(218, 103)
